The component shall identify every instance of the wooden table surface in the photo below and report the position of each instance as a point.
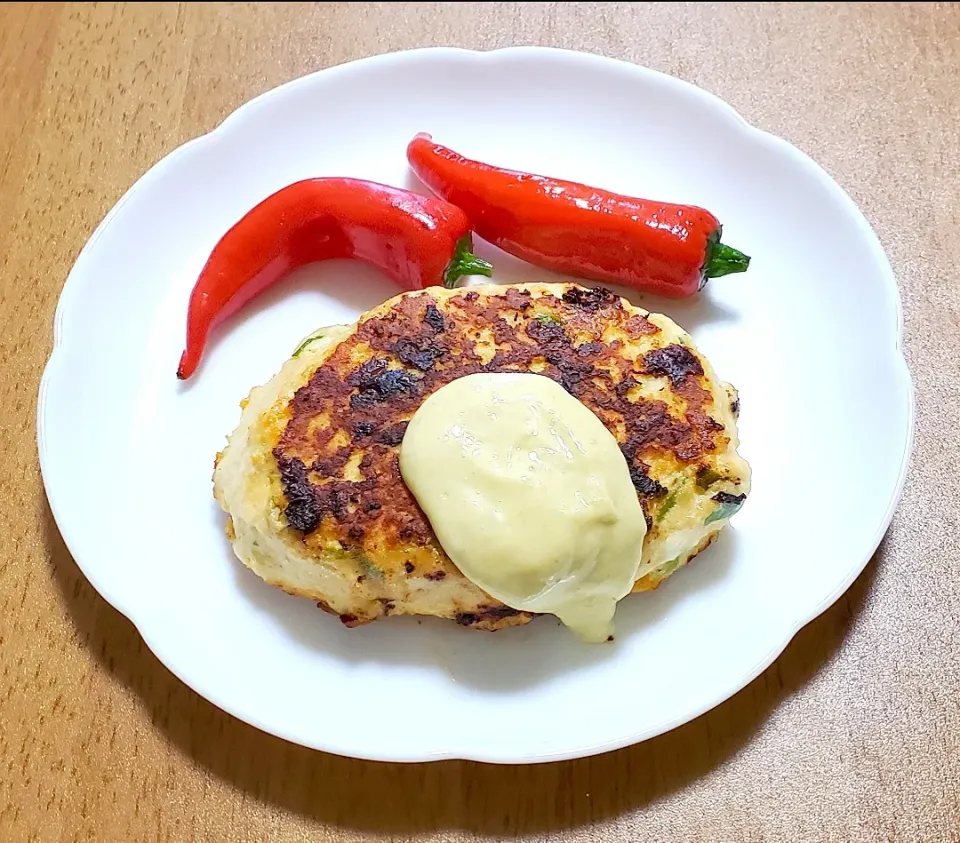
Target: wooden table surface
(853, 734)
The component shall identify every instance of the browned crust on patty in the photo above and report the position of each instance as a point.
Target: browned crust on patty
(338, 455)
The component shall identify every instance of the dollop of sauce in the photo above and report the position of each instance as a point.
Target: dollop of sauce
(529, 495)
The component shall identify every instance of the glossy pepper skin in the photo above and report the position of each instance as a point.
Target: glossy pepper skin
(419, 241)
(658, 247)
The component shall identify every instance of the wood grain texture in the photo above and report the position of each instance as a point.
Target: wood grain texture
(852, 735)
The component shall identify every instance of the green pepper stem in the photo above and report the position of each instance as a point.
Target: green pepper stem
(464, 262)
(723, 259)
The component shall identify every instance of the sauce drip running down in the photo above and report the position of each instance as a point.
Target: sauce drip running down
(529, 495)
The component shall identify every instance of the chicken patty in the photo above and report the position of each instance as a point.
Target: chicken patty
(310, 478)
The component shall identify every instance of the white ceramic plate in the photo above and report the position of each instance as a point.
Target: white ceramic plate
(810, 336)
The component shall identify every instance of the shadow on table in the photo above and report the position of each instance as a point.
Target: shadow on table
(397, 798)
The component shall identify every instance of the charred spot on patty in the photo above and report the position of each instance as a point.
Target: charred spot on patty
(334, 498)
(572, 372)
(674, 361)
(546, 332)
(644, 484)
(417, 352)
(651, 426)
(727, 498)
(434, 318)
(303, 510)
(408, 567)
(393, 435)
(486, 613)
(588, 349)
(307, 502)
(590, 299)
(377, 383)
(436, 575)
(407, 531)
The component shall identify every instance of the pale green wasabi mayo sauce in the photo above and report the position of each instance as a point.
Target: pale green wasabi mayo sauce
(529, 495)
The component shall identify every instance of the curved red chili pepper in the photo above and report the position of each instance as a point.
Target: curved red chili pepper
(658, 247)
(419, 241)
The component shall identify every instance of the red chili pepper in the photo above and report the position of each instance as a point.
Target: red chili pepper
(658, 247)
(419, 241)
